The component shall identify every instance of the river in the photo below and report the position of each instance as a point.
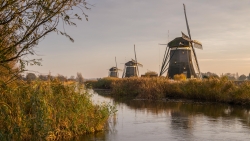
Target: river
(141, 120)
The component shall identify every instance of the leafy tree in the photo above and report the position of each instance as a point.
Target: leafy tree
(209, 75)
(205, 77)
(24, 22)
(151, 73)
(8, 73)
(230, 76)
(72, 78)
(61, 77)
(43, 77)
(243, 77)
(79, 78)
(30, 77)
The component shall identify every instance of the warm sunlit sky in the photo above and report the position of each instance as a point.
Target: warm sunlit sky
(114, 26)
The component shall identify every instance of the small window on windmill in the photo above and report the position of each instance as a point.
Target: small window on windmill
(175, 62)
(184, 68)
(182, 52)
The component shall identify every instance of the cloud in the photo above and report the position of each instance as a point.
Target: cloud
(226, 59)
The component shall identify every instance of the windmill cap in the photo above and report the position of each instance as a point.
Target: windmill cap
(113, 69)
(130, 63)
(178, 42)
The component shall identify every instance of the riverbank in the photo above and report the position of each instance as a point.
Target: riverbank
(49, 110)
(148, 120)
(212, 90)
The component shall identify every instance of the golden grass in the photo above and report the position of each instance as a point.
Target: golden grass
(48, 110)
(104, 83)
(180, 77)
(213, 89)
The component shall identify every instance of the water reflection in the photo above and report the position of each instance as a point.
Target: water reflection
(174, 120)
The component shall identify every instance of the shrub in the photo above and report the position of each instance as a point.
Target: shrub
(102, 83)
(180, 77)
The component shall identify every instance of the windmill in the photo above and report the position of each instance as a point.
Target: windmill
(131, 68)
(180, 56)
(113, 72)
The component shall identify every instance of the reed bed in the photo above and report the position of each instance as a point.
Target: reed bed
(213, 89)
(49, 110)
(104, 83)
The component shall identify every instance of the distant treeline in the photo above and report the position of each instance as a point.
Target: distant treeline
(230, 76)
(33, 76)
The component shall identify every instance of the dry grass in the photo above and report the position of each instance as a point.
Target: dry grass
(104, 83)
(213, 89)
(180, 77)
(49, 110)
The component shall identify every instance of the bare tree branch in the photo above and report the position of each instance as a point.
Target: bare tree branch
(24, 22)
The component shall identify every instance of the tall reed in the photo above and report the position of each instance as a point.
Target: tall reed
(104, 83)
(213, 89)
(48, 110)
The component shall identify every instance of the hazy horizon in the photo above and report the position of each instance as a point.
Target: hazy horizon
(115, 26)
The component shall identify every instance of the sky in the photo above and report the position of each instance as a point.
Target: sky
(115, 26)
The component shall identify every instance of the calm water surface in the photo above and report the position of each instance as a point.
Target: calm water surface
(139, 120)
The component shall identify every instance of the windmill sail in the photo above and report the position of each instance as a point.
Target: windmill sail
(196, 61)
(136, 62)
(115, 62)
(184, 36)
(180, 56)
(197, 44)
(131, 67)
(113, 72)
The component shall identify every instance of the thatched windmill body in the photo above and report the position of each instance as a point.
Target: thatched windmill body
(113, 72)
(131, 68)
(180, 56)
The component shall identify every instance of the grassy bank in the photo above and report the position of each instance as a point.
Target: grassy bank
(49, 110)
(214, 89)
(104, 83)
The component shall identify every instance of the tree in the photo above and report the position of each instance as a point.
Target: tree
(24, 22)
(30, 77)
(151, 73)
(43, 77)
(230, 76)
(61, 77)
(72, 78)
(243, 77)
(8, 73)
(79, 78)
(209, 75)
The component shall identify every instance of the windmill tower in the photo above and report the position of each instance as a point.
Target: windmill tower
(113, 72)
(131, 68)
(180, 56)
